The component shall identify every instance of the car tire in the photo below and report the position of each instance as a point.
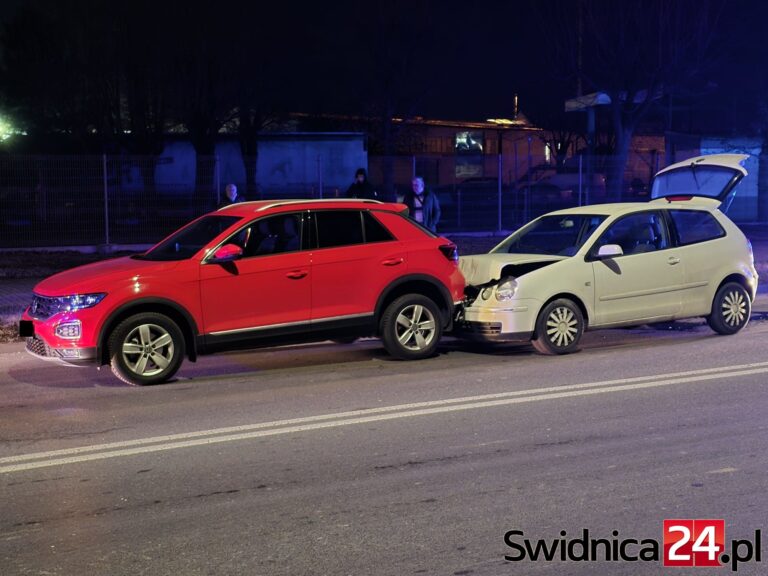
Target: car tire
(731, 309)
(411, 327)
(146, 349)
(558, 328)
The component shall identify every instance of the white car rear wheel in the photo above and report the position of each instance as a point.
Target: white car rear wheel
(731, 309)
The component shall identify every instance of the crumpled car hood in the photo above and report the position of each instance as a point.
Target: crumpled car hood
(484, 268)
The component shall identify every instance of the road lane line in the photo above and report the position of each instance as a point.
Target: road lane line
(365, 411)
(142, 446)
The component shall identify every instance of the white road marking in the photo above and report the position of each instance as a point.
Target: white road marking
(723, 471)
(322, 421)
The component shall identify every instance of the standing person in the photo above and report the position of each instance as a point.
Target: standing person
(423, 205)
(361, 187)
(230, 196)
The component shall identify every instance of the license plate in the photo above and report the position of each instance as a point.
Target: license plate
(26, 328)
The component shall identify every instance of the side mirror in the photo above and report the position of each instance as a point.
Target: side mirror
(227, 253)
(609, 251)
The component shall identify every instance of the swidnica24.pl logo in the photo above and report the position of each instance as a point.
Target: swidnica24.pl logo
(697, 543)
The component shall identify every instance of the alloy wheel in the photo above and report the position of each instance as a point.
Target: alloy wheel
(148, 349)
(416, 327)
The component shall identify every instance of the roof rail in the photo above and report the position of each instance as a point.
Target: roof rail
(324, 200)
(236, 204)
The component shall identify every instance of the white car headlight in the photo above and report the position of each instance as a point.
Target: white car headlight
(486, 293)
(506, 290)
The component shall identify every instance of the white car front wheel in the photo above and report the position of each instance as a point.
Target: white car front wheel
(558, 328)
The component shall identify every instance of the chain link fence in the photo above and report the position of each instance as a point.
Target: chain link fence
(117, 200)
(500, 192)
(94, 200)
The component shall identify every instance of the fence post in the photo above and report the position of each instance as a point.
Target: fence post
(106, 198)
(217, 175)
(320, 174)
(526, 210)
(500, 172)
(517, 188)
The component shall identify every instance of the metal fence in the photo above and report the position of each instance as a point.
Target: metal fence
(500, 192)
(96, 200)
(92, 200)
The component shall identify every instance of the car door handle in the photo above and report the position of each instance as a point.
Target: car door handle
(297, 274)
(672, 260)
(392, 261)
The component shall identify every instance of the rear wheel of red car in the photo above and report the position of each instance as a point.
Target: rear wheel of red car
(146, 349)
(411, 327)
(558, 328)
(730, 309)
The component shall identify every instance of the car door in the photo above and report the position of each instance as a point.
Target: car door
(354, 259)
(268, 288)
(696, 234)
(645, 282)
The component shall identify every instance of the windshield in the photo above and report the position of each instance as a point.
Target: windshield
(188, 241)
(556, 235)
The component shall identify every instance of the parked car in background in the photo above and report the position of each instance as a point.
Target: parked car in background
(253, 274)
(676, 256)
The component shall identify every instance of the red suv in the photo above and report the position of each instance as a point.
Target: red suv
(248, 275)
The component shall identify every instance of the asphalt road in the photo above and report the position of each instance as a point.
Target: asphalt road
(328, 459)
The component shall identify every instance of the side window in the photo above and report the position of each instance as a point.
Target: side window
(338, 228)
(375, 230)
(271, 235)
(636, 234)
(694, 226)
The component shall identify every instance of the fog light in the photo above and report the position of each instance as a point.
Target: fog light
(69, 352)
(68, 330)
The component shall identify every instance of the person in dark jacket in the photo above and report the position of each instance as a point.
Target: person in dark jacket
(423, 205)
(361, 187)
(230, 196)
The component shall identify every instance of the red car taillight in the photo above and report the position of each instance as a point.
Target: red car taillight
(450, 251)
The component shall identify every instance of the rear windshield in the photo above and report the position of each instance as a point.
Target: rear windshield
(709, 181)
(188, 241)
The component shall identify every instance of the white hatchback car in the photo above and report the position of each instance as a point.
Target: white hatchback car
(676, 256)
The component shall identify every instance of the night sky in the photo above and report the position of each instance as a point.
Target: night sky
(451, 60)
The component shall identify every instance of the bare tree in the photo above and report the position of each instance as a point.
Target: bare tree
(396, 68)
(636, 52)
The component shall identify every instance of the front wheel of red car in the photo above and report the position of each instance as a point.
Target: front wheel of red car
(411, 327)
(146, 349)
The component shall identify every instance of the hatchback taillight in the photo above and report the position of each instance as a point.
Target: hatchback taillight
(450, 251)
